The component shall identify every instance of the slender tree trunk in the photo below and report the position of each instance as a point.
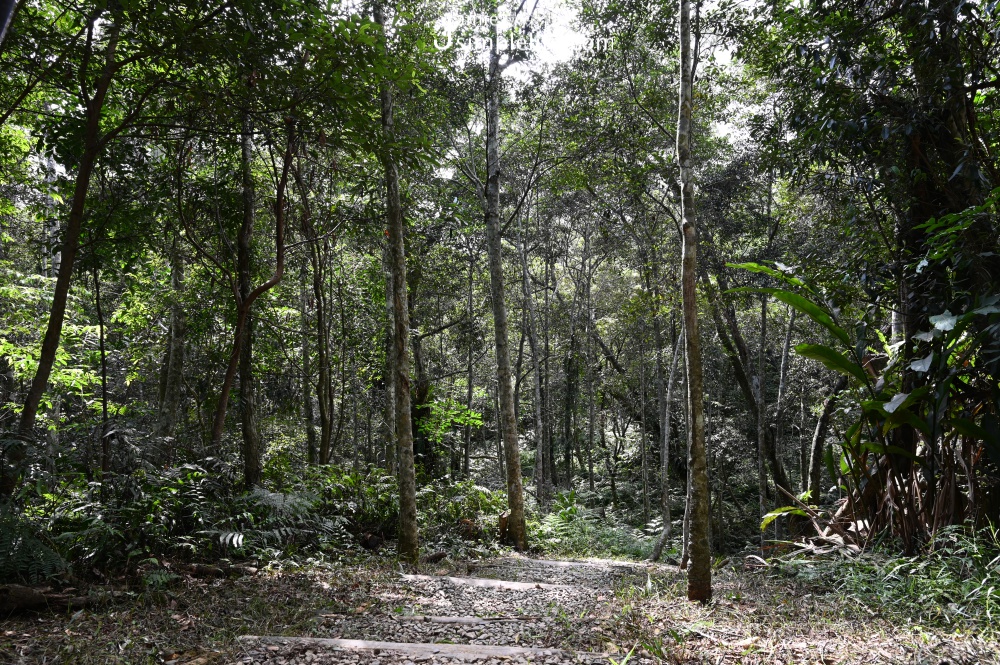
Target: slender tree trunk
(515, 493)
(549, 457)
(700, 573)
(244, 304)
(408, 544)
(591, 388)
(642, 431)
(780, 405)
(803, 449)
(92, 146)
(389, 414)
(173, 370)
(761, 417)
(468, 368)
(541, 482)
(105, 438)
(665, 455)
(252, 448)
(569, 403)
(307, 406)
(819, 439)
(309, 233)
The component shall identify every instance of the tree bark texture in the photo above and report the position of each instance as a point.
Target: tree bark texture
(515, 493)
(700, 572)
(408, 546)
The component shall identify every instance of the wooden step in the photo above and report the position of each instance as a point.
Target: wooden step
(416, 649)
(547, 563)
(467, 621)
(485, 582)
(419, 618)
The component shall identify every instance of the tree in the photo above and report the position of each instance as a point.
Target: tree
(700, 571)
(408, 546)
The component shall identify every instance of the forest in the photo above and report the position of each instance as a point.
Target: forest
(512, 330)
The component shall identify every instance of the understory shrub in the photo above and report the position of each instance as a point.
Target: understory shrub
(572, 529)
(955, 582)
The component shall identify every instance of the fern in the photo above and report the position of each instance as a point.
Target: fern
(280, 520)
(23, 556)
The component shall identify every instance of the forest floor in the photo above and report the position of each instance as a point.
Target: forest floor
(589, 611)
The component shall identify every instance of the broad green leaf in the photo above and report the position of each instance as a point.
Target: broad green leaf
(778, 512)
(831, 359)
(895, 402)
(922, 365)
(945, 321)
(970, 429)
(804, 306)
(766, 270)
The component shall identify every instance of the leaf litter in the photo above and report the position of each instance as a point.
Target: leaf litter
(600, 612)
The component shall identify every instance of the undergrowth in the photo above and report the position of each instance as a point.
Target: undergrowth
(572, 529)
(955, 583)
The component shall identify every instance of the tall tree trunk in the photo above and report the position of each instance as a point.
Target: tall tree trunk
(252, 449)
(105, 434)
(243, 304)
(541, 482)
(173, 370)
(515, 492)
(803, 449)
(665, 410)
(309, 233)
(591, 386)
(467, 450)
(549, 457)
(700, 573)
(307, 406)
(761, 416)
(569, 405)
(781, 404)
(408, 545)
(642, 431)
(819, 439)
(389, 413)
(92, 146)
(324, 384)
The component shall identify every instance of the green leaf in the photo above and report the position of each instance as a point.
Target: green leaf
(944, 322)
(830, 464)
(831, 359)
(778, 512)
(970, 429)
(804, 306)
(766, 270)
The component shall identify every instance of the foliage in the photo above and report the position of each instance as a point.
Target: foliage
(956, 583)
(25, 556)
(571, 529)
(917, 417)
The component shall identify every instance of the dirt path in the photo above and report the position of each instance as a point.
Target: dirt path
(514, 610)
(509, 610)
